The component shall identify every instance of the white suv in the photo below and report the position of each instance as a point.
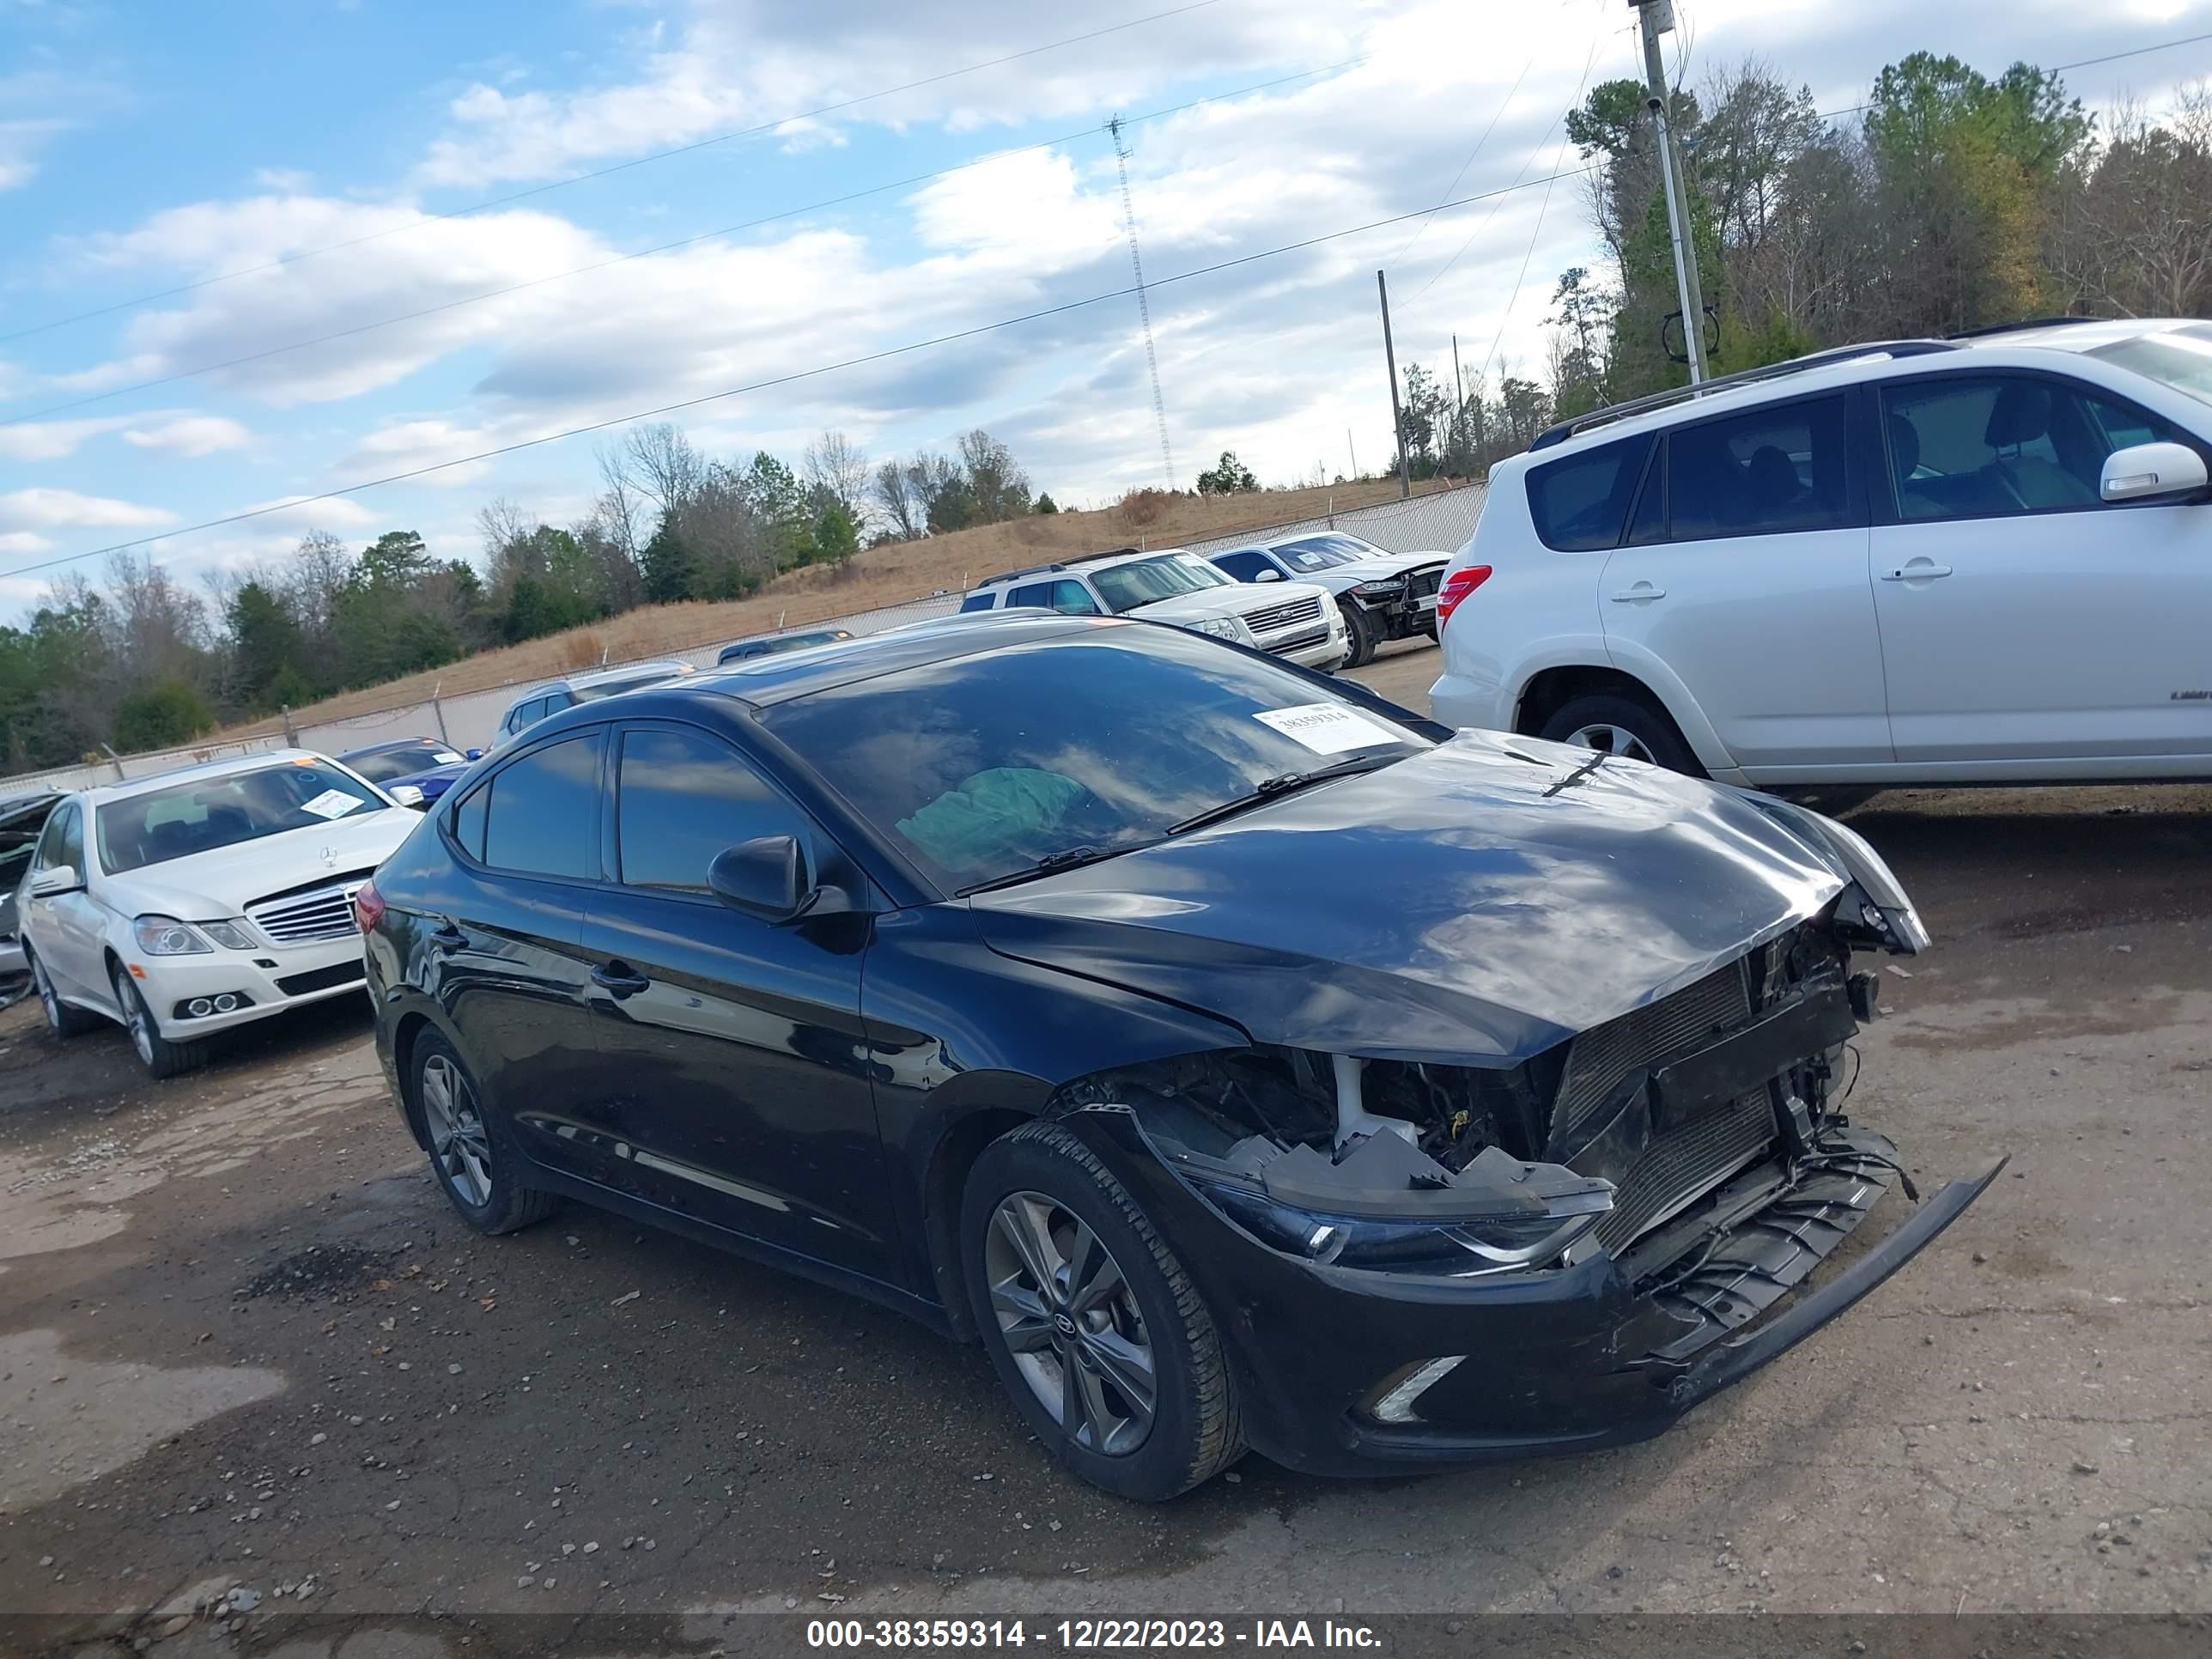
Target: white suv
(1982, 559)
(1295, 621)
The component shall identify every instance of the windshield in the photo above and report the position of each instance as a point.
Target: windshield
(2180, 358)
(204, 814)
(1324, 552)
(1142, 581)
(401, 762)
(983, 765)
(635, 683)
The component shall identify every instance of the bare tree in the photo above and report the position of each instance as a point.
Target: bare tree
(616, 512)
(159, 628)
(501, 523)
(901, 504)
(835, 467)
(660, 462)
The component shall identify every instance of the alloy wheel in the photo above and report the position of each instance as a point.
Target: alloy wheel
(1071, 1322)
(135, 1019)
(1617, 740)
(458, 1143)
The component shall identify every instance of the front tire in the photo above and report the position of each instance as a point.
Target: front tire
(64, 1021)
(1096, 1332)
(161, 1057)
(1359, 628)
(478, 1180)
(1608, 722)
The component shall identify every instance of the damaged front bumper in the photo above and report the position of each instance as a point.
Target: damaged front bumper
(1349, 1372)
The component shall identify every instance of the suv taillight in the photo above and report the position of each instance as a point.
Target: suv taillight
(1456, 587)
(368, 907)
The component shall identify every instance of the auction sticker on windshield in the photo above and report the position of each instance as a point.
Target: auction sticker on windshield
(331, 803)
(1328, 728)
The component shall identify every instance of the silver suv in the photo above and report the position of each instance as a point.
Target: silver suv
(1295, 621)
(549, 698)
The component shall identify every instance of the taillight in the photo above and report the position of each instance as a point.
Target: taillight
(368, 907)
(1456, 587)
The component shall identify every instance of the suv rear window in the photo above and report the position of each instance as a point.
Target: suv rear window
(1579, 502)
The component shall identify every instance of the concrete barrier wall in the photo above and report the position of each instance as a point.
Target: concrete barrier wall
(1443, 521)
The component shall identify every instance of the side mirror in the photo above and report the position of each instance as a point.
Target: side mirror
(769, 878)
(474, 754)
(2144, 472)
(1268, 573)
(54, 881)
(406, 794)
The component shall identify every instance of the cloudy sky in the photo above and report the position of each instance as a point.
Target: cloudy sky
(272, 248)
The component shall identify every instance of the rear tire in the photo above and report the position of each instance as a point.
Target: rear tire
(1623, 726)
(1082, 1308)
(64, 1021)
(466, 1160)
(161, 1057)
(1360, 630)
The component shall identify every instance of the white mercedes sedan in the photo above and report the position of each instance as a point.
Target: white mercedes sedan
(182, 905)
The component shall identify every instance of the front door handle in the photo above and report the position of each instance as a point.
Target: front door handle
(1641, 591)
(1918, 572)
(617, 979)
(449, 938)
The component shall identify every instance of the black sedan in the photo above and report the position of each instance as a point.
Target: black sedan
(1005, 970)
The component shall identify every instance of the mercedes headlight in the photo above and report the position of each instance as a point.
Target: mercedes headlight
(1380, 590)
(231, 935)
(165, 936)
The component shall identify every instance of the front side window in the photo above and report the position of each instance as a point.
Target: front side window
(1147, 581)
(683, 798)
(207, 813)
(1767, 471)
(543, 810)
(1243, 566)
(1578, 502)
(1980, 446)
(979, 766)
(49, 853)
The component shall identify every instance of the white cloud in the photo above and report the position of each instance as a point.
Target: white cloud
(288, 181)
(191, 436)
(50, 440)
(311, 512)
(45, 507)
(23, 541)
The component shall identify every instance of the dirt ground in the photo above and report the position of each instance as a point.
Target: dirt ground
(244, 1348)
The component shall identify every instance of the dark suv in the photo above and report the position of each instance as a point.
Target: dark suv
(1001, 971)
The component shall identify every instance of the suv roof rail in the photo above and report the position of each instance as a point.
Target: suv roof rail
(1565, 429)
(1109, 553)
(1025, 570)
(2025, 322)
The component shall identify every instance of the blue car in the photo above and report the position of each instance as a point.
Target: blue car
(422, 765)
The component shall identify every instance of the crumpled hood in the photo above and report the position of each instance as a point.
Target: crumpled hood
(1466, 904)
(1375, 568)
(208, 886)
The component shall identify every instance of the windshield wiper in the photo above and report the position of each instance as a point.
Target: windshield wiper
(1269, 788)
(1068, 858)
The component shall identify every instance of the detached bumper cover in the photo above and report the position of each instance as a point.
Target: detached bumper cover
(1601, 1352)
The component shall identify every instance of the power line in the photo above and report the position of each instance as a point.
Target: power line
(606, 172)
(645, 253)
(2060, 68)
(861, 361)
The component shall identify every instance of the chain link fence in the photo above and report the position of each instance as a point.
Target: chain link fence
(1443, 521)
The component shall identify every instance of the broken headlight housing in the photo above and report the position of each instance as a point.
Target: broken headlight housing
(1455, 1246)
(1879, 907)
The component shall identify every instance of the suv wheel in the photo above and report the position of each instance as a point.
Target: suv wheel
(1612, 724)
(62, 1020)
(1093, 1326)
(464, 1153)
(160, 1056)
(1360, 630)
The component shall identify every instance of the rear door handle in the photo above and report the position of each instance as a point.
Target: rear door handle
(1641, 591)
(617, 979)
(1916, 573)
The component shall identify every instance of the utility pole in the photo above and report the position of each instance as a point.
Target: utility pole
(1658, 19)
(1144, 305)
(1397, 421)
(1458, 408)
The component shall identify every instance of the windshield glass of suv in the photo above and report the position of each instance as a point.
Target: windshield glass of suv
(206, 813)
(635, 682)
(980, 766)
(1142, 581)
(1323, 552)
(2180, 358)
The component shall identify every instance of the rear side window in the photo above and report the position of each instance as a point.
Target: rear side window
(977, 602)
(1756, 474)
(1579, 502)
(543, 809)
(469, 821)
(683, 798)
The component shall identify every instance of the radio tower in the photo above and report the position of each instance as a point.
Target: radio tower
(1144, 305)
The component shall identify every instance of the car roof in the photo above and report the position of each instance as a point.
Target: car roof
(207, 771)
(2014, 346)
(767, 681)
(1078, 564)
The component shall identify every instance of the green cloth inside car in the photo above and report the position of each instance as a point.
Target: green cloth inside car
(990, 816)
